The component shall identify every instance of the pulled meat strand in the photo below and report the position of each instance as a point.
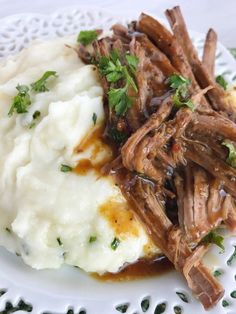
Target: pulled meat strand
(209, 52)
(169, 238)
(204, 157)
(168, 44)
(128, 150)
(217, 95)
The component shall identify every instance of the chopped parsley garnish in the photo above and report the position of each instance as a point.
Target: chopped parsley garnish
(59, 241)
(214, 238)
(119, 100)
(21, 101)
(92, 239)
(181, 97)
(221, 81)
(116, 135)
(115, 243)
(87, 37)
(40, 85)
(35, 116)
(66, 168)
(132, 62)
(112, 68)
(94, 118)
(231, 159)
(176, 81)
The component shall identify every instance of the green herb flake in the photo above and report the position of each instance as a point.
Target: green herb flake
(231, 159)
(112, 68)
(66, 168)
(21, 101)
(59, 241)
(92, 239)
(87, 37)
(35, 116)
(232, 257)
(221, 81)
(132, 62)
(225, 303)
(182, 296)
(217, 273)
(115, 243)
(8, 230)
(40, 85)
(214, 238)
(119, 100)
(178, 102)
(94, 118)
(176, 81)
(181, 98)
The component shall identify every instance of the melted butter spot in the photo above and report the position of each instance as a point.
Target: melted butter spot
(120, 218)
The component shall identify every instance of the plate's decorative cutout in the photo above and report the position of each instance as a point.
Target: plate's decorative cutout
(69, 291)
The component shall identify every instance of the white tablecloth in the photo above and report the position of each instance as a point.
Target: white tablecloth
(199, 14)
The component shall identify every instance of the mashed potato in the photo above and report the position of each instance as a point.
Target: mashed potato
(50, 217)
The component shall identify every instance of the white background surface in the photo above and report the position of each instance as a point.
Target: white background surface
(199, 14)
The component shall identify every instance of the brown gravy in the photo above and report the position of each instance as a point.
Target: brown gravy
(139, 270)
(144, 268)
(93, 139)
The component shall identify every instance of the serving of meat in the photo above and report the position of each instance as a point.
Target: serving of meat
(174, 133)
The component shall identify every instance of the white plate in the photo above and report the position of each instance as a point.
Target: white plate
(69, 290)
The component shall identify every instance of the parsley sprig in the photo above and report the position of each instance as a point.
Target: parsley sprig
(40, 85)
(181, 97)
(21, 101)
(65, 168)
(115, 71)
(231, 159)
(115, 243)
(87, 37)
(35, 116)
